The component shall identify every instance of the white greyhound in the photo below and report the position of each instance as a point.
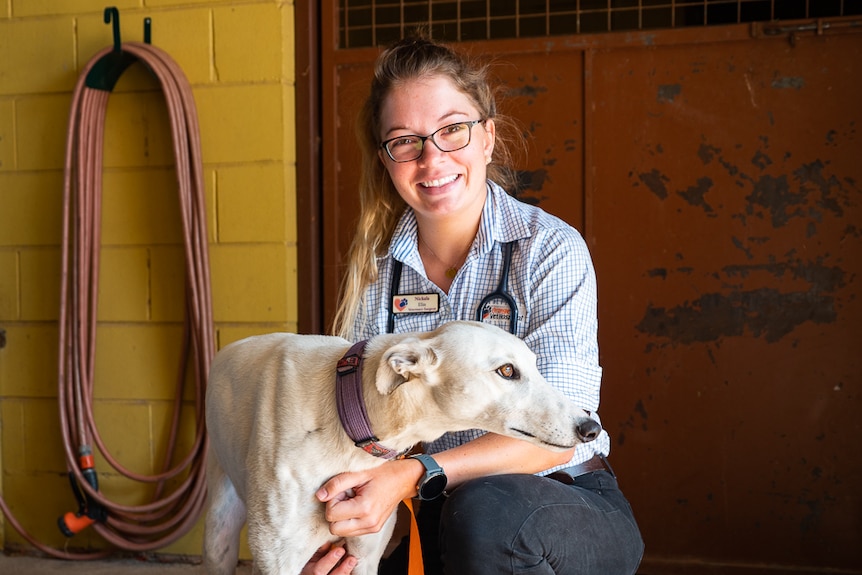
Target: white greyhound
(275, 434)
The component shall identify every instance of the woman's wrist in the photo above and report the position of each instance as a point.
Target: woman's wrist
(411, 472)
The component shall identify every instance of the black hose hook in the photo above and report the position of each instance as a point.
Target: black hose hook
(113, 15)
(107, 71)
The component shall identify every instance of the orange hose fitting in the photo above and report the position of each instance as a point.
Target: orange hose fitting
(73, 523)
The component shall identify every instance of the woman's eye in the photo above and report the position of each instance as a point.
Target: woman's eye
(508, 371)
(406, 141)
(454, 128)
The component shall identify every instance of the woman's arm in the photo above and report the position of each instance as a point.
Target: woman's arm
(493, 454)
(358, 503)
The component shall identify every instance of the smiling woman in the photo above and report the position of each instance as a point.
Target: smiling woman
(444, 186)
(437, 223)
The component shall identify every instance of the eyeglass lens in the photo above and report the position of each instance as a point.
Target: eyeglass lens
(448, 138)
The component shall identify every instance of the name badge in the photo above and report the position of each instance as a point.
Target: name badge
(416, 303)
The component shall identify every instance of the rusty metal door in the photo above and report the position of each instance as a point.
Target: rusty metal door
(724, 213)
(716, 174)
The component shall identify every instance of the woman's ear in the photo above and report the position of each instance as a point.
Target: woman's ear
(490, 136)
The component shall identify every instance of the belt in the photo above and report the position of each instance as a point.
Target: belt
(595, 463)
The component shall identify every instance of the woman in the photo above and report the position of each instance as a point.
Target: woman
(436, 222)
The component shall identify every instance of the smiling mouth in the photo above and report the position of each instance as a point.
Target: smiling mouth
(440, 182)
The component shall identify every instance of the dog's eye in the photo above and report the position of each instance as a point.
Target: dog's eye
(508, 371)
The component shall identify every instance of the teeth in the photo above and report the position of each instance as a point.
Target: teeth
(440, 182)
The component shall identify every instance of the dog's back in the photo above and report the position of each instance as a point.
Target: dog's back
(262, 384)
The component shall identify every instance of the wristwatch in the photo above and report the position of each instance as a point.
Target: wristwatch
(433, 483)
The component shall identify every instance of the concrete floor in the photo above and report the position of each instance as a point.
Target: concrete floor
(27, 565)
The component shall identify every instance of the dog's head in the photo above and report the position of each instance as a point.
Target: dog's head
(467, 375)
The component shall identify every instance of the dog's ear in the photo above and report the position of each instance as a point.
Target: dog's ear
(404, 361)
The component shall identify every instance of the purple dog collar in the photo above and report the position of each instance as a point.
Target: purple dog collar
(351, 403)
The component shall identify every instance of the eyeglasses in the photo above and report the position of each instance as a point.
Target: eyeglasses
(447, 139)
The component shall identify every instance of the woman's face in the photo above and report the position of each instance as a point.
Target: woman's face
(438, 184)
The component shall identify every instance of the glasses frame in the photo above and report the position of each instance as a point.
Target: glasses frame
(469, 123)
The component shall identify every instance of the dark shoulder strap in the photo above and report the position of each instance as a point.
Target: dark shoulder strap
(393, 291)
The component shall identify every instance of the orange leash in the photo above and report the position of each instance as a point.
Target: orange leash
(415, 566)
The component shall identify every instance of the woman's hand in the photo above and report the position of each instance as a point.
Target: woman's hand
(358, 503)
(326, 562)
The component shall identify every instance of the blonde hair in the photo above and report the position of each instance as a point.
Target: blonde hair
(381, 207)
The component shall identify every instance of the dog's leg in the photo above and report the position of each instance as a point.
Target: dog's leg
(285, 547)
(369, 548)
(226, 515)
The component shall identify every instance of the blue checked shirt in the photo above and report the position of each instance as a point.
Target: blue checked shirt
(551, 279)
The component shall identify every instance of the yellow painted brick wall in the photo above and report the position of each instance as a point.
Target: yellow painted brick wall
(238, 56)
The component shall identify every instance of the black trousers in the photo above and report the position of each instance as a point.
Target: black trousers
(527, 524)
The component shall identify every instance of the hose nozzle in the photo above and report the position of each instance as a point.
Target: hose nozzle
(89, 510)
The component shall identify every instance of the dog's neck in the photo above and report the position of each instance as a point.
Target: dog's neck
(350, 402)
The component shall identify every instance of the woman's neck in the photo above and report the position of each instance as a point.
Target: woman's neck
(444, 247)
(450, 245)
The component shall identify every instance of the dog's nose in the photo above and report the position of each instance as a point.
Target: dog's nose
(588, 429)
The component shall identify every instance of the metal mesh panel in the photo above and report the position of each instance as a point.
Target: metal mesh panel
(375, 22)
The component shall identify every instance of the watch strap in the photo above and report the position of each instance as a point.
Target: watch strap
(429, 463)
(434, 478)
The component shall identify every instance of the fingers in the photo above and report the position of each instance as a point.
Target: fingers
(357, 516)
(359, 503)
(339, 487)
(346, 567)
(353, 527)
(328, 563)
(347, 519)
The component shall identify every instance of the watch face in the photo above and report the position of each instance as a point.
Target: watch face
(433, 487)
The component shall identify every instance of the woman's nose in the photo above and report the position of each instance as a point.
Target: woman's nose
(430, 152)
